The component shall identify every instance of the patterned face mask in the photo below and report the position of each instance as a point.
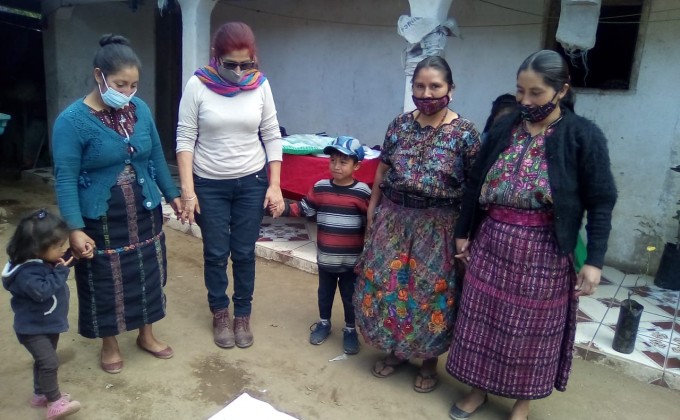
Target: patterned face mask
(537, 113)
(430, 106)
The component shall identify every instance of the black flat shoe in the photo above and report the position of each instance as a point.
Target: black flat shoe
(457, 414)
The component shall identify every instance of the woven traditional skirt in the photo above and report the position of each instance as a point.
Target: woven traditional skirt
(121, 288)
(406, 288)
(517, 318)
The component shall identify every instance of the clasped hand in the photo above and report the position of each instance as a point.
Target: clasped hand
(463, 250)
(273, 201)
(81, 244)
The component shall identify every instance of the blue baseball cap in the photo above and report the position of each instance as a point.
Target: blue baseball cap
(347, 146)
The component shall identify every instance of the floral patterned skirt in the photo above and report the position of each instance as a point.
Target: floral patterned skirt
(406, 295)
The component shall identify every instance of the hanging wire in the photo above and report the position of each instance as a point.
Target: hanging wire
(378, 25)
(509, 8)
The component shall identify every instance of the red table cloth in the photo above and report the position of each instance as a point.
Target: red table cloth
(299, 173)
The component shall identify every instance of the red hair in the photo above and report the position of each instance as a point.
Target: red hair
(233, 36)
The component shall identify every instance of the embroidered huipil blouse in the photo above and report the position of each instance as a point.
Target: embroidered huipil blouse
(122, 120)
(428, 161)
(519, 178)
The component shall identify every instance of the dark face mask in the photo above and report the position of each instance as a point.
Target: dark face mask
(230, 76)
(537, 113)
(430, 106)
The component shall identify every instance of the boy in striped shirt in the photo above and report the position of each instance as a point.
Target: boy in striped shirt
(339, 205)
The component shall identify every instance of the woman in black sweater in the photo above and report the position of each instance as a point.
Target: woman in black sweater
(540, 170)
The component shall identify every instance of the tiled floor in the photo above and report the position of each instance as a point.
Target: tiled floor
(658, 341)
(656, 354)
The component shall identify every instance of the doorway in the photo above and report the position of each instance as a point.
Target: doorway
(23, 142)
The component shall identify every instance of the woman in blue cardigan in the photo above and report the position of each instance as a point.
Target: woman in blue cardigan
(109, 168)
(541, 169)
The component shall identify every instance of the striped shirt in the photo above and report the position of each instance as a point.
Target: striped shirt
(341, 218)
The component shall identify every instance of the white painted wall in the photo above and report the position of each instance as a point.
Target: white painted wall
(72, 39)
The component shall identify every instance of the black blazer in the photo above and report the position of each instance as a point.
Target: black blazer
(580, 179)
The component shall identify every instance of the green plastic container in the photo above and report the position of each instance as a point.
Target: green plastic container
(580, 253)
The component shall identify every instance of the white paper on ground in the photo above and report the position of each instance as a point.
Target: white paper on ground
(343, 356)
(246, 407)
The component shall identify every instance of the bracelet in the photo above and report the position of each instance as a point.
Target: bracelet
(189, 199)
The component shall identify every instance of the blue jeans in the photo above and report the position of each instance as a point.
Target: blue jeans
(230, 218)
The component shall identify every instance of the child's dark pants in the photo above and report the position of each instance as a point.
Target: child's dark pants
(43, 348)
(328, 282)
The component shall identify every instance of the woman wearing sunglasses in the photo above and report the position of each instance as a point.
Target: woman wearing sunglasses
(223, 164)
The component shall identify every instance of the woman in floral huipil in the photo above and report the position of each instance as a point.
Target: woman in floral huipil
(406, 291)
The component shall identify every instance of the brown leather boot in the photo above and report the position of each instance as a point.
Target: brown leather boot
(244, 337)
(223, 331)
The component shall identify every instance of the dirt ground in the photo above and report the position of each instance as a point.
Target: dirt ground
(281, 368)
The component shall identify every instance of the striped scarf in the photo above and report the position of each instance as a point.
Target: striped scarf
(252, 79)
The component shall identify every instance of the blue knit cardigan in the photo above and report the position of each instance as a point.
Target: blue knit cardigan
(88, 156)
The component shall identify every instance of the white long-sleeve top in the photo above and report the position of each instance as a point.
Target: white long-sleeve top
(221, 131)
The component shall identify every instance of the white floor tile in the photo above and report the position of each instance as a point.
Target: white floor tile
(612, 274)
(306, 252)
(655, 315)
(605, 291)
(658, 331)
(283, 246)
(585, 332)
(637, 280)
(650, 304)
(603, 341)
(293, 232)
(592, 307)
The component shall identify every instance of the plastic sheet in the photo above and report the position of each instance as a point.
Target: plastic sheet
(426, 38)
(577, 28)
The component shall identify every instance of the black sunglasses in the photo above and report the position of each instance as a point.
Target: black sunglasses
(245, 65)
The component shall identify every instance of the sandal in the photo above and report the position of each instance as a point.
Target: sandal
(422, 377)
(386, 366)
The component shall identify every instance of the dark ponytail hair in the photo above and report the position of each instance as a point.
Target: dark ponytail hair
(115, 54)
(35, 234)
(501, 105)
(438, 63)
(554, 70)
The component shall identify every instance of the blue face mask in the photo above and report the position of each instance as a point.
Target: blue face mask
(113, 98)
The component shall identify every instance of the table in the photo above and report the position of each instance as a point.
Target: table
(299, 173)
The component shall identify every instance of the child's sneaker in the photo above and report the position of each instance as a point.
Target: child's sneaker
(40, 400)
(61, 408)
(350, 340)
(320, 331)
